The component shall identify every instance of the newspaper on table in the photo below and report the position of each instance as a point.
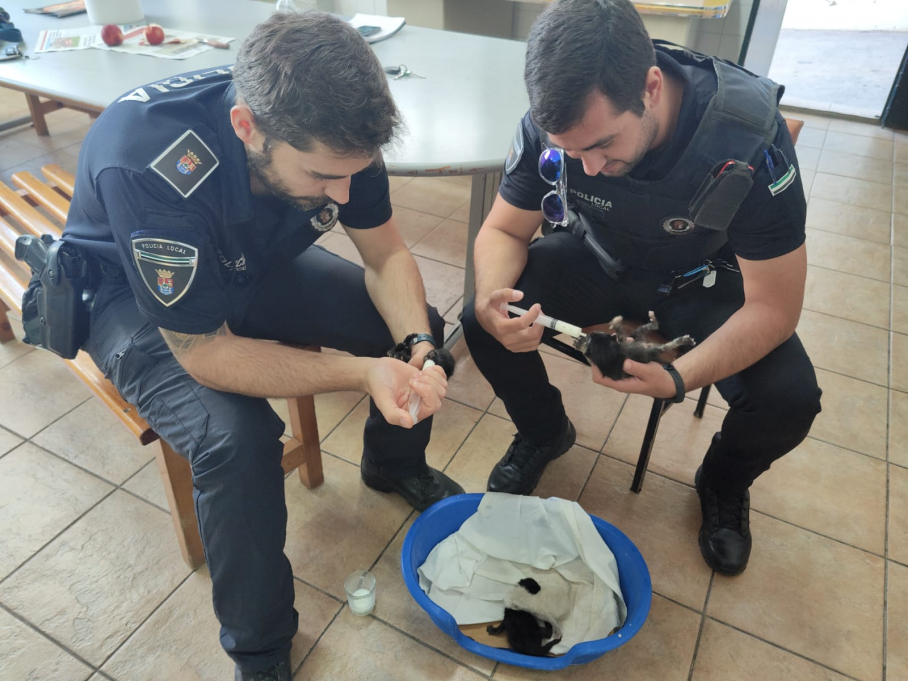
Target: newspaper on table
(190, 42)
(64, 39)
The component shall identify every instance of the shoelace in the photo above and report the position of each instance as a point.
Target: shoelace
(426, 479)
(520, 451)
(272, 674)
(730, 511)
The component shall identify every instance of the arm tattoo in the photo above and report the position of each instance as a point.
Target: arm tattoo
(183, 343)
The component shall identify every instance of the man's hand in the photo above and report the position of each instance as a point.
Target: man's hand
(518, 334)
(647, 378)
(389, 382)
(418, 353)
(431, 386)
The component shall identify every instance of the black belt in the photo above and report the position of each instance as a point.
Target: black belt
(106, 273)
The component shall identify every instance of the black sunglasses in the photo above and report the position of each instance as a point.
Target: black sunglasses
(552, 170)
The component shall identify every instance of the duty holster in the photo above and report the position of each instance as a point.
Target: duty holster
(54, 312)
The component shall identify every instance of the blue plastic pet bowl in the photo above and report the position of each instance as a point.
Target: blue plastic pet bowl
(444, 518)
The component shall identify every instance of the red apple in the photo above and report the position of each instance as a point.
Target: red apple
(112, 35)
(154, 34)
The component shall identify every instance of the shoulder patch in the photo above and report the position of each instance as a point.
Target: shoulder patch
(784, 182)
(516, 150)
(186, 163)
(167, 267)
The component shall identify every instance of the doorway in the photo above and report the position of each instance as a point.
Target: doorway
(840, 56)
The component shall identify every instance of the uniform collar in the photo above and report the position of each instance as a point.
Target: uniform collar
(237, 197)
(657, 163)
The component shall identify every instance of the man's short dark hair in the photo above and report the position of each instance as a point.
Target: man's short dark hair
(308, 76)
(578, 46)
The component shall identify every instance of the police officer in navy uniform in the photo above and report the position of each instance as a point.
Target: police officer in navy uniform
(673, 184)
(198, 200)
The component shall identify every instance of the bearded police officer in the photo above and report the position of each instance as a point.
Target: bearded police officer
(198, 200)
(673, 185)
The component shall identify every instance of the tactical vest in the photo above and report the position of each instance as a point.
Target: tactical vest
(679, 221)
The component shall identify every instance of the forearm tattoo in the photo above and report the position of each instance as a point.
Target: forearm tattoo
(182, 343)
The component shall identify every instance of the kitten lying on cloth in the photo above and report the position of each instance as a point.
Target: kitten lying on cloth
(533, 613)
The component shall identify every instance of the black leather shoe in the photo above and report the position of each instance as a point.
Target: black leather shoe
(725, 539)
(522, 466)
(420, 491)
(279, 672)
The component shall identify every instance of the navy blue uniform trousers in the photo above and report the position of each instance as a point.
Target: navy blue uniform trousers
(772, 403)
(233, 442)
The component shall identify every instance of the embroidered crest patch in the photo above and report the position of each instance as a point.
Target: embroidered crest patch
(325, 218)
(516, 150)
(677, 225)
(167, 267)
(186, 163)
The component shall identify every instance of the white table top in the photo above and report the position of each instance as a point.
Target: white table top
(460, 119)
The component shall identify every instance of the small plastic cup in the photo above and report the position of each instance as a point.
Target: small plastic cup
(360, 588)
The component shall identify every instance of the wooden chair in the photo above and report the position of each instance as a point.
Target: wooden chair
(40, 208)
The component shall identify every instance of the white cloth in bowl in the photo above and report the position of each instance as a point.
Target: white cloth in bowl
(511, 537)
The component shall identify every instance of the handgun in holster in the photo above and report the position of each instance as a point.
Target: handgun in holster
(54, 313)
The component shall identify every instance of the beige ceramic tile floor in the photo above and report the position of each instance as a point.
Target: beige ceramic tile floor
(92, 585)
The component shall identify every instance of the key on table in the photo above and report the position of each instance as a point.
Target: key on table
(401, 71)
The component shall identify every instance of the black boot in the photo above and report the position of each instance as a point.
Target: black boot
(523, 464)
(420, 491)
(279, 672)
(725, 539)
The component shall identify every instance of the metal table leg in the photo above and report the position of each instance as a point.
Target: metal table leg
(482, 195)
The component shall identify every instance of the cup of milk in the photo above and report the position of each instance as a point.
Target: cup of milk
(360, 589)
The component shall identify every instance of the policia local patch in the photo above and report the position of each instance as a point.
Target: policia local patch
(185, 163)
(167, 267)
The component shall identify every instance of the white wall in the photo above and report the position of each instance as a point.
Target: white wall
(724, 37)
(847, 15)
(525, 14)
(350, 7)
(721, 37)
(355, 6)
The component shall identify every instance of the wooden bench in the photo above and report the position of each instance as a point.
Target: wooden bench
(37, 208)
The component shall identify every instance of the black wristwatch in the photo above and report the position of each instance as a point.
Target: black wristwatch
(422, 338)
(679, 384)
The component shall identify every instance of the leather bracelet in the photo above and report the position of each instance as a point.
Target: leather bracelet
(422, 338)
(679, 384)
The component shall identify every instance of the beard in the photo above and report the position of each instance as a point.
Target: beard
(649, 130)
(260, 167)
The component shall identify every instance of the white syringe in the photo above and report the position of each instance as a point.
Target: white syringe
(414, 396)
(550, 323)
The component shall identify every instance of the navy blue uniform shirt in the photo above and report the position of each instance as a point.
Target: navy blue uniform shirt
(163, 192)
(765, 225)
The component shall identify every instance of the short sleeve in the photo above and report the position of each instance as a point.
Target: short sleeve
(771, 219)
(166, 251)
(370, 199)
(521, 185)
